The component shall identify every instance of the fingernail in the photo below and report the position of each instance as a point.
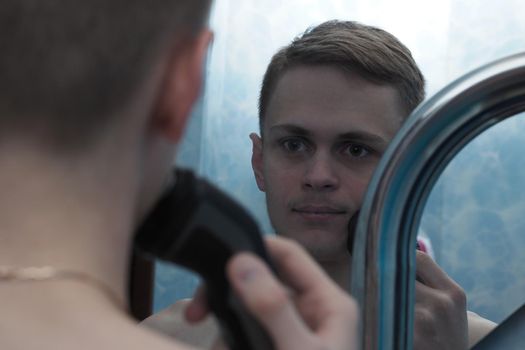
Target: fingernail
(421, 246)
(246, 269)
(247, 275)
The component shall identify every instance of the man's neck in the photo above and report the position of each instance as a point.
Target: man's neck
(339, 271)
(66, 215)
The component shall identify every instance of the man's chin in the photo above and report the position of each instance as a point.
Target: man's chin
(325, 251)
(323, 244)
(330, 254)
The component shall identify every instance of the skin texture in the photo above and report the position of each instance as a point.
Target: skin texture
(322, 141)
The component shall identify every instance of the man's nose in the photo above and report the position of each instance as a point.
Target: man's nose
(321, 174)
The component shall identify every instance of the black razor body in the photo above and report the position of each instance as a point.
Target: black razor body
(198, 226)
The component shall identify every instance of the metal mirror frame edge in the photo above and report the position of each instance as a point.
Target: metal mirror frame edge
(383, 267)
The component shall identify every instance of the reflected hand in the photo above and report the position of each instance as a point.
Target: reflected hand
(310, 312)
(440, 320)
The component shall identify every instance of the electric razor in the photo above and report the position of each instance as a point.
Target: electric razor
(198, 226)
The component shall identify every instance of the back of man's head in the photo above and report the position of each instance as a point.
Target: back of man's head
(373, 53)
(68, 66)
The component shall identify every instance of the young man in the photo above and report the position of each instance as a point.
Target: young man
(330, 103)
(94, 97)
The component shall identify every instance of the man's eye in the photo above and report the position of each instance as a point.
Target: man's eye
(294, 145)
(356, 150)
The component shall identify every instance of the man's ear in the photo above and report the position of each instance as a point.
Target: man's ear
(257, 160)
(181, 86)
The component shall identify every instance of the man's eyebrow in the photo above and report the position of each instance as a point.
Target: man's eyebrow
(291, 129)
(365, 137)
(356, 136)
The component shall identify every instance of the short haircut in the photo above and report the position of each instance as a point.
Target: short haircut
(373, 53)
(66, 66)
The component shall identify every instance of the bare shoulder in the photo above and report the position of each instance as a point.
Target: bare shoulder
(172, 323)
(478, 327)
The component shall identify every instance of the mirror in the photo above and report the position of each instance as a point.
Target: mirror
(475, 219)
(384, 269)
(247, 33)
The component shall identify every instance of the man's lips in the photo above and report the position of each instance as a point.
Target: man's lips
(318, 210)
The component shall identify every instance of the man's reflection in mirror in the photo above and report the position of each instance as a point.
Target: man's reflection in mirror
(330, 103)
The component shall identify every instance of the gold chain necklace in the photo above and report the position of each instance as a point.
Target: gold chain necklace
(47, 273)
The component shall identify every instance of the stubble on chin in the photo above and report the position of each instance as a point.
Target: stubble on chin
(319, 247)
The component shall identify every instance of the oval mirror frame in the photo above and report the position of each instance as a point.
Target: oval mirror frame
(383, 263)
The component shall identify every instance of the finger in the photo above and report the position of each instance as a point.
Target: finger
(197, 309)
(428, 271)
(424, 317)
(424, 328)
(424, 293)
(340, 329)
(268, 301)
(440, 303)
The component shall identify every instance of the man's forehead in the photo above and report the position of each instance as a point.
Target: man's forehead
(325, 98)
(329, 81)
